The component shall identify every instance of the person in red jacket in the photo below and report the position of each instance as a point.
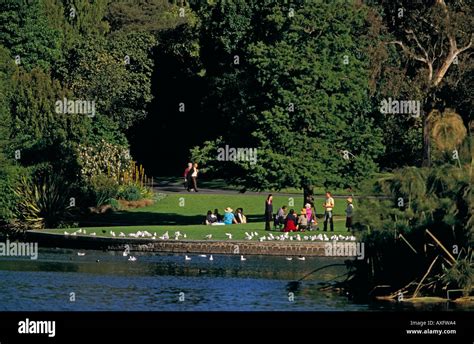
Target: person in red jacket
(291, 222)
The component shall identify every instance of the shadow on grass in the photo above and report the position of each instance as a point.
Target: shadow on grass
(124, 218)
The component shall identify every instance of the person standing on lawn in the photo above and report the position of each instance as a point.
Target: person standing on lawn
(268, 212)
(349, 212)
(328, 206)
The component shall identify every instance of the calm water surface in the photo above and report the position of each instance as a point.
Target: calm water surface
(106, 281)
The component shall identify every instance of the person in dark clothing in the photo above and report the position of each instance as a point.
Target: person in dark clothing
(268, 212)
(291, 222)
(187, 176)
(210, 218)
(217, 215)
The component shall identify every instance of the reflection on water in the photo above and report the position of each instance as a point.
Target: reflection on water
(107, 281)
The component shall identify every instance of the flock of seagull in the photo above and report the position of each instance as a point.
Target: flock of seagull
(248, 236)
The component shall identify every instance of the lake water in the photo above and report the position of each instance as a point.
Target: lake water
(106, 281)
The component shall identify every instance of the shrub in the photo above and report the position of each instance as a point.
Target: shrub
(130, 193)
(44, 202)
(104, 189)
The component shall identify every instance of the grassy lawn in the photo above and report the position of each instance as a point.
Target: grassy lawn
(190, 209)
(185, 213)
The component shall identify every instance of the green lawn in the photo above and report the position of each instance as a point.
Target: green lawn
(191, 208)
(186, 212)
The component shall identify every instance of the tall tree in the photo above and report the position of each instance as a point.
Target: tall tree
(434, 37)
(301, 97)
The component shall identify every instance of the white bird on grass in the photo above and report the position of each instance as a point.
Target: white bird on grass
(121, 234)
(187, 258)
(209, 236)
(93, 234)
(66, 233)
(242, 258)
(112, 233)
(165, 236)
(229, 236)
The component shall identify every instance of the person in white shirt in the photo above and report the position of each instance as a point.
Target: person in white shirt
(328, 205)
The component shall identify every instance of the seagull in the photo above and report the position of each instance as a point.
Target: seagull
(242, 258)
(255, 233)
(301, 258)
(202, 256)
(112, 233)
(79, 231)
(133, 235)
(81, 254)
(66, 233)
(184, 235)
(93, 234)
(325, 237)
(261, 239)
(132, 259)
(85, 232)
(209, 236)
(187, 258)
(73, 233)
(289, 258)
(165, 236)
(229, 236)
(298, 237)
(211, 257)
(121, 234)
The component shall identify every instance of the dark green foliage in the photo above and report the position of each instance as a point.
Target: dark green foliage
(104, 189)
(130, 193)
(294, 60)
(26, 32)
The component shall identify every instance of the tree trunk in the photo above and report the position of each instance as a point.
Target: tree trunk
(426, 142)
(308, 194)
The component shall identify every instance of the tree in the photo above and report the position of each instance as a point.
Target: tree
(115, 72)
(25, 31)
(298, 94)
(433, 36)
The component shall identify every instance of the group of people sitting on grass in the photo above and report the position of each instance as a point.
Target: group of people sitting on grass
(229, 218)
(306, 219)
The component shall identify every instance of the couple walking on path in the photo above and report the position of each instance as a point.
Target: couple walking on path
(190, 177)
